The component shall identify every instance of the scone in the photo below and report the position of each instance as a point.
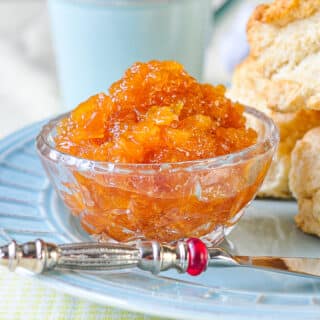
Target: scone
(282, 70)
(293, 127)
(305, 181)
(281, 77)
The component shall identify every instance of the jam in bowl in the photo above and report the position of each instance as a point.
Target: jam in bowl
(158, 162)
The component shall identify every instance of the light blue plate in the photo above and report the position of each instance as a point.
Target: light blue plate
(30, 209)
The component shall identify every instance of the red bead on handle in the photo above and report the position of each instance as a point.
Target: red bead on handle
(197, 256)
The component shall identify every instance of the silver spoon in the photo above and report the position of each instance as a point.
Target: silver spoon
(191, 256)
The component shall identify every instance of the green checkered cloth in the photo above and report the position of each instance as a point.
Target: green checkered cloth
(26, 298)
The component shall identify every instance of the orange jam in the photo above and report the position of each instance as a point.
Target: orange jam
(157, 113)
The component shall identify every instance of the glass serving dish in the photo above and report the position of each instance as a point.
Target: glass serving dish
(166, 201)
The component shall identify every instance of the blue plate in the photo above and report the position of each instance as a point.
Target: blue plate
(29, 209)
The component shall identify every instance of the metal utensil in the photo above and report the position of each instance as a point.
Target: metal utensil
(191, 256)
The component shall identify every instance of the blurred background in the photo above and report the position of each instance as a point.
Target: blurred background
(34, 85)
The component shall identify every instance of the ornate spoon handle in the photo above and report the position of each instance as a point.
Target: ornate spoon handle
(39, 256)
(191, 256)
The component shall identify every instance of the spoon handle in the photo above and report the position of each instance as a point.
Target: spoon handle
(191, 256)
(39, 256)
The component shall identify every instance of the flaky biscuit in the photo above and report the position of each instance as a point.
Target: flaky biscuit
(304, 181)
(305, 169)
(283, 67)
(280, 77)
(292, 127)
(308, 218)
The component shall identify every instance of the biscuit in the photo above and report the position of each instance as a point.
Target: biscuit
(280, 77)
(304, 181)
(283, 67)
(292, 127)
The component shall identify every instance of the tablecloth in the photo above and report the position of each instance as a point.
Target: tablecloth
(26, 298)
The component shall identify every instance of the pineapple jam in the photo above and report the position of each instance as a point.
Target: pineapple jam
(157, 113)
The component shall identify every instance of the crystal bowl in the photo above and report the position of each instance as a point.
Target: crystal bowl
(165, 201)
